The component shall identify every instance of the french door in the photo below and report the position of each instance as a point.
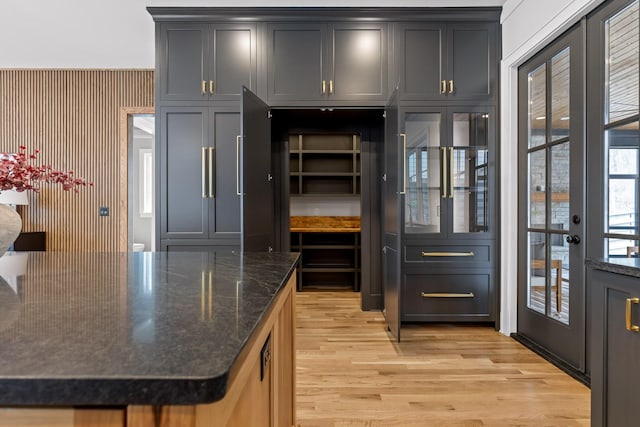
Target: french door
(551, 290)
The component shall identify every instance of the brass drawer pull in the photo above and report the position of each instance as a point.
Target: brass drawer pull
(446, 295)
(428, 254)
(629, 323)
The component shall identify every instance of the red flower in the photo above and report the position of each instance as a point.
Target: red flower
(17, 173)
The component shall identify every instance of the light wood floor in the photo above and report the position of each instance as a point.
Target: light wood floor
(349, 373)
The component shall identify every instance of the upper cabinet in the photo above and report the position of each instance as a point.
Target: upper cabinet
(206, 62)
(440, 62)
(310, 62)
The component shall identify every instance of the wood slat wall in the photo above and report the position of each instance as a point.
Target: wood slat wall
(72, 117)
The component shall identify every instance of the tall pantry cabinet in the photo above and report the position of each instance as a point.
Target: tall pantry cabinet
(200, 72)
(436, 170)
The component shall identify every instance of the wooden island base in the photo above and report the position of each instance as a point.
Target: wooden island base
(249, 401)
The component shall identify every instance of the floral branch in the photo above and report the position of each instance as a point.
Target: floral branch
(18, 173)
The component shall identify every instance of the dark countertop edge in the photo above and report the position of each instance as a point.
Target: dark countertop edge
(625, 266)
(68, 391)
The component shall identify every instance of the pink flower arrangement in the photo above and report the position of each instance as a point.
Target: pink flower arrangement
(17, 173)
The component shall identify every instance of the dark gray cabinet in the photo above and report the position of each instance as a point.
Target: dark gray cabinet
(198, 197)
(309, 62)
(454, 61)
(615, 348)
(206, 62)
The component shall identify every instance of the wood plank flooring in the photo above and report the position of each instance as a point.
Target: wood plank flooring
(350, 373)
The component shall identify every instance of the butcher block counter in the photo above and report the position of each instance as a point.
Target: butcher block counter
(147, 339)
(325, 224)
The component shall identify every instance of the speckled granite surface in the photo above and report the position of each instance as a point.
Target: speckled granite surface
(129, 328)
(626, 266)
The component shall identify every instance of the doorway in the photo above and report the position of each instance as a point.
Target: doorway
(551, 289)
(140, 210)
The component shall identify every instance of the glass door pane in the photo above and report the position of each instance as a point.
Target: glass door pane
(423, 168)
(468, 169)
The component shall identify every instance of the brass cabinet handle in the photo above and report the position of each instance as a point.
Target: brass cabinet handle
(238, 165)
(450, 86)
(447, 295)
(404, 163)
(211, 172)
(211, 87)
(441, 254)
(443, 186)
(204, 87)
(330, 87)
(204, 167)
(443, 88)
(451, 172)
(627, 317)
(324, 87)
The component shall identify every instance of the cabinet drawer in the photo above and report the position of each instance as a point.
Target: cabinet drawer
(459, 254)
(442, 296)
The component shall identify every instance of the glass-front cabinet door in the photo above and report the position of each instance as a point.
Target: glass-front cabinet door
(448, 167)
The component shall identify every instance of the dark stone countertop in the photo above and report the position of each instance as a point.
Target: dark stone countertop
(626, 266)
(129, 328)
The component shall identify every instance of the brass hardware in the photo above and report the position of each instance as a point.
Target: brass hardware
(627, 315)
(324, 87)
(211, 87)
(404, 163)
(450, 86)
(330, 87)
(439, 254)
(451, 172)
(204, 87)
(443, 187)
(443, 89)
(446, 295)
(238, 165)
(211, 172)
(204, 166)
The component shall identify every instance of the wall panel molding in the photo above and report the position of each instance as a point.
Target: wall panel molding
(73, 116)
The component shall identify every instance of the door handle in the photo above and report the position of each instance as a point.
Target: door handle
(238, 165)
(211, 87)
(404, 163)
(443, 161)
(204, 87)
(330, 87)
(445, 254)
(450, 86)
(451, 172)
(324, 87)
(204, 173)
(211, 172)
(443, 87)
(627, 317)
(447, 295)
(575, 239)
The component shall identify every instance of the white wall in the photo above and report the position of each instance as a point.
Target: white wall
(119, 33)
(527, 26)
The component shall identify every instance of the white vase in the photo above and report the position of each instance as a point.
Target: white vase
(10, 226)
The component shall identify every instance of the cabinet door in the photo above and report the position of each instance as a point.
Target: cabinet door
(357, 62)
(184, 201)
(295, 55)
(224, 213)
(421, 50)
(183, 65)
(471, 61)
(233, 61)
(256, 202)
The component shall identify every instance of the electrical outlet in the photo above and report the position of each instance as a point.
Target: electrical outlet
(104, 211)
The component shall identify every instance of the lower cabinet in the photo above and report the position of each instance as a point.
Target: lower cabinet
(448, 296)
(615, 348)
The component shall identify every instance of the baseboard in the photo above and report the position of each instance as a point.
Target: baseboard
(553, 359)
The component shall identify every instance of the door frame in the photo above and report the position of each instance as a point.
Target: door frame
(125, 123)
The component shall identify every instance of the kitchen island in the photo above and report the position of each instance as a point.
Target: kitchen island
(147, 339)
